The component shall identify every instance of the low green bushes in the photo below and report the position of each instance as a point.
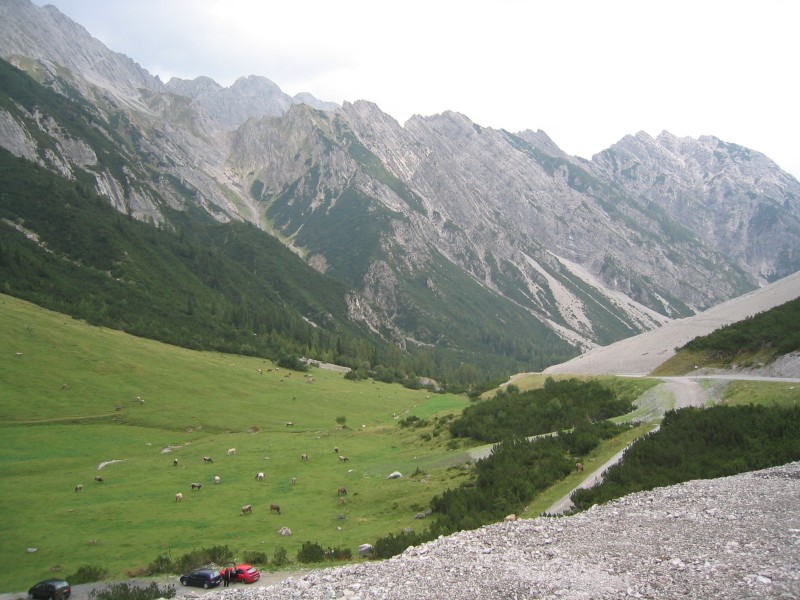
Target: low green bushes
(124, 591)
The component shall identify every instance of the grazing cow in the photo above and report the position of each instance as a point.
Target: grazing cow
(304, 456)
(231, 451)
(343, 458)
(196, 485)
(289, 423)
(178, 497)
(260, 371)
(342, 501)
(18, 354)
(274, 508)
(99, 478)
(365, 549)
(336, 450)
(294, 480)
(511, 517)
(247, 509)
(342, 491)
(207, 459)
(79, 487)
(579, 467)
(216, 479)
(174, 462)
(260, 476)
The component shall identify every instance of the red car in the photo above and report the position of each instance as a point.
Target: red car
(242, 573)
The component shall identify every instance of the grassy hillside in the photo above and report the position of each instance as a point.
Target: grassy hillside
(69, 405)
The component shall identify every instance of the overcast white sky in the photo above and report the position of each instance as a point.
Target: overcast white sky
(586, 72)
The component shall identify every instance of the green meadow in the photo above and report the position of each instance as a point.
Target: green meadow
(69, 411)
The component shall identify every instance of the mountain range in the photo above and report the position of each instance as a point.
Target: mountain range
(443, 234)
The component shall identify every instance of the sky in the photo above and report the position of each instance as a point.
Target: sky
(586, 72)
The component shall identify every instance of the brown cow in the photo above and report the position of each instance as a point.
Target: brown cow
(579, 467)
(99, 479)
(342, 491)
(247, 509)
(274, 508)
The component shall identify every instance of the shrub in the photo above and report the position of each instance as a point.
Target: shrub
(291, 361)
(197, 558)
(279, 557)
(123, 591)
(255, 558)
(162, 564)
(88, 574)
(338, 554)
(310, 552)
(394, 544)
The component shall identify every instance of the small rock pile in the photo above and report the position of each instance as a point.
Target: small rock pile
(733, 537)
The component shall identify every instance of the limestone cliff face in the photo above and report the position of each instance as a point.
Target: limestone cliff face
(732, 198)
(438, 225)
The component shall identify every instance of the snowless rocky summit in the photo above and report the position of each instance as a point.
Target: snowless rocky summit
(735, 537)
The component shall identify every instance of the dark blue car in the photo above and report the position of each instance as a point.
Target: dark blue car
(204, 578)
(51, 589)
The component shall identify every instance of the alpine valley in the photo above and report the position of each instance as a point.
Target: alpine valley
(436, 244)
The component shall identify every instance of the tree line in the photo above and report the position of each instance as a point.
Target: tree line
(697, 443)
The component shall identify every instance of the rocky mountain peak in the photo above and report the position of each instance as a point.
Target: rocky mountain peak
(48, 36)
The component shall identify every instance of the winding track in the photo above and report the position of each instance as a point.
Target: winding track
(683, 392)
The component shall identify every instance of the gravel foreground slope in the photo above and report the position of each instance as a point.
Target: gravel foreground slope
(735, 537)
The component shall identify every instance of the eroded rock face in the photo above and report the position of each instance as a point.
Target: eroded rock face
(734, 537)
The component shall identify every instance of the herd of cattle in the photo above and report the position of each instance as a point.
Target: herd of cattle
(247, 509)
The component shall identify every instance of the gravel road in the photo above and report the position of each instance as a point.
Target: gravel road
(81, 592)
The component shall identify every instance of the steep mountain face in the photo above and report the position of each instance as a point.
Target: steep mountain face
(448, 233)
(732, 198)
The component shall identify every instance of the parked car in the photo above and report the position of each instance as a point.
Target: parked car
(205, 578)
(51, 589)
(242, 573)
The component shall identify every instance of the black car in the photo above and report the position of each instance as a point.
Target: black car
(205, 578)
(55, 589)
